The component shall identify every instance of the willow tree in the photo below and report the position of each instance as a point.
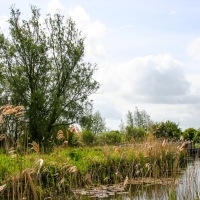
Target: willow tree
(43, 69)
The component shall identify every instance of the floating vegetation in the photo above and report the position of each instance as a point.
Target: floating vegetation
(100, 192)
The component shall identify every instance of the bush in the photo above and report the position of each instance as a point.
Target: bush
(110, 138)
(166, 129)
(134, 133)
(73, 139)
(88, 137)
(189, 134)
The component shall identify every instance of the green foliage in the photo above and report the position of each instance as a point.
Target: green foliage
(12, 164)
(140, 119)
(166, 129)
(172, 194)
(7, 167)
(189, 134)
(83, 157)
(73, 139)
(42, 68)
(196, 137)
(98, 123)
(111, 138)
(88, 137)
(130, 120)
(93, 122)
(134, 133)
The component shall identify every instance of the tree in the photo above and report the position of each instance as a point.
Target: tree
(139, 119)
(99, 124)
(189, 134)
(93, 122)
(130, 120)
(166, 129)
(43, 69)
(196, 138)
(122, 127)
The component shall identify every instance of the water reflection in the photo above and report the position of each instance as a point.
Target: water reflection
(189, 184)
(187, 187)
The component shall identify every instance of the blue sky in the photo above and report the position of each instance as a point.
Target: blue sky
(147, 53)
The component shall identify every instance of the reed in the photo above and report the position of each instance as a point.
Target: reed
(37, 176)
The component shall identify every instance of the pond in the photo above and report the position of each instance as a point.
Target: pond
(185, 186)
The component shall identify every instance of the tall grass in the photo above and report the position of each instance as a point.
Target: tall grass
(36, 175)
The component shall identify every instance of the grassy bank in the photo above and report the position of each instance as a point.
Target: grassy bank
(42, 175)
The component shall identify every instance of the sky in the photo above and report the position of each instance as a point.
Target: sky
(147, 54)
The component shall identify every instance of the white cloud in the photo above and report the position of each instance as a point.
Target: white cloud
(154, 78)
(54, 6)
(93, 30)
(156, 83)
(195, 83)
(194, 49)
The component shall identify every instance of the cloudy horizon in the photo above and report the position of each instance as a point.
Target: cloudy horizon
(147, 54)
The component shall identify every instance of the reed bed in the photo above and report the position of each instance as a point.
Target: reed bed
(39, 176)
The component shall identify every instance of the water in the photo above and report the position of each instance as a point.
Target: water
(189, 183)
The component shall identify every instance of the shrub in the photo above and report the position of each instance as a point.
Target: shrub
(73, 139)
(88, 137)
(110, 138)
(134, 133)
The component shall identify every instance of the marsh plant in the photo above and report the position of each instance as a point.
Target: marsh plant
(38, 175)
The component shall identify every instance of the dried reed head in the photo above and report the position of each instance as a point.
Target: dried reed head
(164, 143)
(65, 143)
(60, 135)
(3, 187)
(1, 119)
(11, 151)
(182, 138)
(5, 110)
(9, 110)
(35, 147)
(117, 149)
(72, 169)
(75, 130)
